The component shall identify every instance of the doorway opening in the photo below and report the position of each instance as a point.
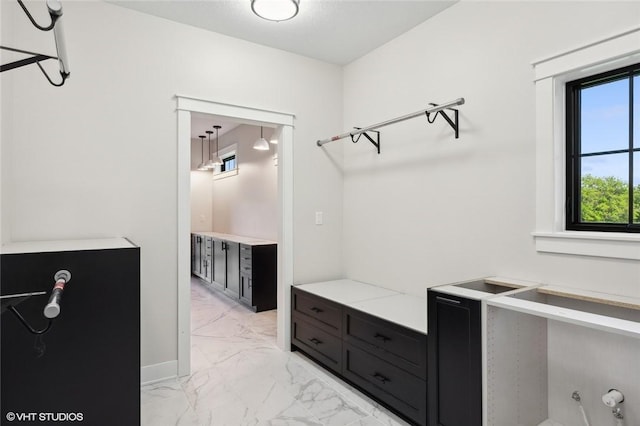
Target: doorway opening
(247, 117)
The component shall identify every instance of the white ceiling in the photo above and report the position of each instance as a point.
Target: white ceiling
(334, 31)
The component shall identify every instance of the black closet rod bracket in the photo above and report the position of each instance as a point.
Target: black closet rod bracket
(355, 137)
(434, 108)
(55, 12)
(453, 123)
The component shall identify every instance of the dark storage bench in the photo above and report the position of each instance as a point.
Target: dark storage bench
(382, 358)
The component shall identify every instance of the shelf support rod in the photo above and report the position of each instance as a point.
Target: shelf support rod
(433, 109)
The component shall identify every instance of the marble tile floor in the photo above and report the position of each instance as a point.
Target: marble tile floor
(240, 377)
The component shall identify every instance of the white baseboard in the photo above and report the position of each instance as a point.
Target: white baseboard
(157, 372)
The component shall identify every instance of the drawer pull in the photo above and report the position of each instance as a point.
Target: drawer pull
(315, 341)
(379, 377)
(444, 299)
(246, 268)
(381, 337)
(246, 258)
(317, 310)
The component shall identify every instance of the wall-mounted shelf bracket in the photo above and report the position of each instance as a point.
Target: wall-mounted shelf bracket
(356, 137)
(453, 123)
(55, 12)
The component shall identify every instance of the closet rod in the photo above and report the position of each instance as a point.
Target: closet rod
(430, 110)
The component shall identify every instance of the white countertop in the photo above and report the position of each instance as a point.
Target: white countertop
(251, 241)
(402, 309)
(65, 245)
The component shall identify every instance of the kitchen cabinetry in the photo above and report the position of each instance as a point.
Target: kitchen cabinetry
(384, 359)
(258, 276)
(242, 268)
(455, 360)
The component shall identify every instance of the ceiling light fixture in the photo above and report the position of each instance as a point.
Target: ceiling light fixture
(275, 10)
(209, 164)
(216, 160)
(202, 166)
(261, 144)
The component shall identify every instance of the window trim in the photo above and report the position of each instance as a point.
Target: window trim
(572, 168)
(226, 152)
(550, 76)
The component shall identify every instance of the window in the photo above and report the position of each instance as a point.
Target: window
(228, 163)
(603, 152)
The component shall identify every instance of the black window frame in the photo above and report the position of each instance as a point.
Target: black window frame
(225, 161)
(574, 154)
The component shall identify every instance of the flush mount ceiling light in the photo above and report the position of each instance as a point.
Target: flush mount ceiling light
(261, 144)
(202, 166)
(275, 10)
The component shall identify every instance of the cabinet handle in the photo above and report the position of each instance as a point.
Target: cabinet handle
(379, 377)
(444, 299)
(316, 310)
(246, 268)
(246, 258)
(381, 337)
(315, 341)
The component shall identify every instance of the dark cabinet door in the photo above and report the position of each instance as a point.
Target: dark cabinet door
(245, 288)
(219, 263)
(232, 282)
(197, 255)
(454, 361)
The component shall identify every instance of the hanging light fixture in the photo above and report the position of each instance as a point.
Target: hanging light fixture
(261, 144)
(216, 160)
(202, 165)
(209, 164)
(275, 10)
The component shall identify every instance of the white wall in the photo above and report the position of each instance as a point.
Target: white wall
(431, 209)
(247, 203)
(80, 154)
(201, 187)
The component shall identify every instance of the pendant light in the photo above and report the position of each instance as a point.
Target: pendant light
(275, 10)
(202, 166)
(261, 144)
(216, 160)
(209, 164)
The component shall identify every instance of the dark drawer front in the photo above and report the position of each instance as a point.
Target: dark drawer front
(245, 253)
(325, 314)
(401, 346)
(323, 346)
(393, 386)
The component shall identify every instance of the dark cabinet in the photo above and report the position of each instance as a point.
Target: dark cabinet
(386, 360)
(87, 364)
(258, 276)
(455, 360)
(316, 328)
(241, 271)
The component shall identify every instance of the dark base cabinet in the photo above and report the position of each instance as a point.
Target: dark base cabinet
(259, 276)
(86, 368)
(455, 360)
(247, 272)
(383, 359)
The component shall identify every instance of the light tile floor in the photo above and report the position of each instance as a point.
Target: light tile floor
(240, 377)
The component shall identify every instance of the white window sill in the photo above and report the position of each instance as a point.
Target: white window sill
(599, 244)
(223, 175)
